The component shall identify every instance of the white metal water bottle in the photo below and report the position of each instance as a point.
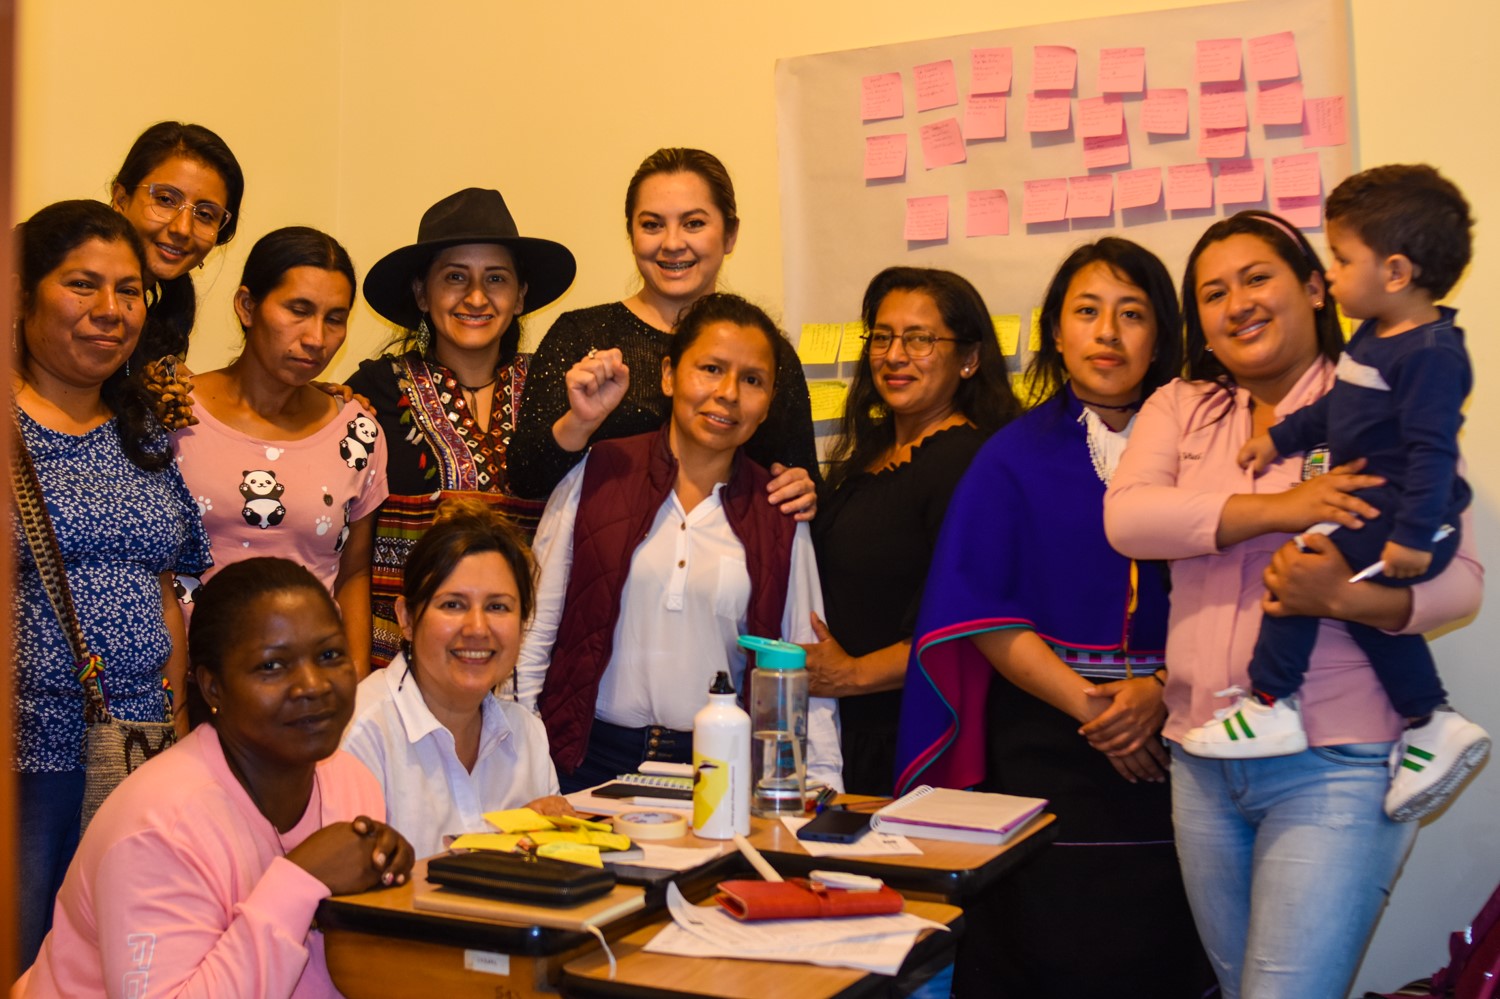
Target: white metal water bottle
(721, 765)
(778, 727)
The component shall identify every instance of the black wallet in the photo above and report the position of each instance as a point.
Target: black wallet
(520, 877)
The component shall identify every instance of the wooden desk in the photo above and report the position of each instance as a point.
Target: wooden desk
(951, 872)
(641, 974)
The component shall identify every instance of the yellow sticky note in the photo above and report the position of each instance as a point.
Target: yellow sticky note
(1346, 324)
(518, 820)
(1034, 343)
(574, 822)
(504, 842)
(853, 344)
(819, 343)
(573, 853)
(827, 399)
(1008, 330)
(541, 837)
(608, 840)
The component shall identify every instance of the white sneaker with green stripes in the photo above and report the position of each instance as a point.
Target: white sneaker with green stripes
(1248, 729)
(1429, 763)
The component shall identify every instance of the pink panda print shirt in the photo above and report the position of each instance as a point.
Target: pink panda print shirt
(290, 499)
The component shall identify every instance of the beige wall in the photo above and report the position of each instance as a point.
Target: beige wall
(354, 115)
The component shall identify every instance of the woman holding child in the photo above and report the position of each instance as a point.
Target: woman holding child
(1039, 663)
(1262, 341)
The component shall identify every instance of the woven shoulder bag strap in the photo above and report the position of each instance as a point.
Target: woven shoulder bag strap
(36, 524)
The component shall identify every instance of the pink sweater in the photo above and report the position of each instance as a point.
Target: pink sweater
(179, 887)
(1165, 501)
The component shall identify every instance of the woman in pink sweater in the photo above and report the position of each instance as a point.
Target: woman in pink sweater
(1287, 860)
(201, 873)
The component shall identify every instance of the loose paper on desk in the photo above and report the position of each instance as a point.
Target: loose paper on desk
(869, 844)
(868, 943)
(669, 858)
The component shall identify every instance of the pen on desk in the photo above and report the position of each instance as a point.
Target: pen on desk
(824, 797)
(758, 862)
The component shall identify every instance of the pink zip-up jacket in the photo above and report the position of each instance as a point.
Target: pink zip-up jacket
(1165, 501)
(180, 887)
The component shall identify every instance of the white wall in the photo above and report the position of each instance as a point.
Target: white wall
(355, 115)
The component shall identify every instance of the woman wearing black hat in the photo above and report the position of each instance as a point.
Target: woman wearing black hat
(595, 375)
(447, 397)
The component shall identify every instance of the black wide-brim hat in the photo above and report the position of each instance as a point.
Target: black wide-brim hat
(473, 215)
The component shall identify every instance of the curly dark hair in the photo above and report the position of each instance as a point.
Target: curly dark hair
(1413, 210)
(42, 242)
(986, 399)
(1130, 262)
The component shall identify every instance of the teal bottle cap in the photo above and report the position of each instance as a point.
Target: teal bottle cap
(772, 653)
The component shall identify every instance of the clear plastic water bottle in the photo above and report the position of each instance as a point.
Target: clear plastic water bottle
(778, 727)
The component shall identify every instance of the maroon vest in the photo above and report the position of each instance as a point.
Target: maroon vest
(624, 485)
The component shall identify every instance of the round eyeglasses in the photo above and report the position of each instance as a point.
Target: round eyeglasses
(164, 203)
(915, 343)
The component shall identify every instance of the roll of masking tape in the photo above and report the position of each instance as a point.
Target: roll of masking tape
(651, 825)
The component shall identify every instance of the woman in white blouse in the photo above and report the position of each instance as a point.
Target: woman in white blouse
(443, 747)
(657, 552)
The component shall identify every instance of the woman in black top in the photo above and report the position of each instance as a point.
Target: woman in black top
(597, 373)
(930, 388)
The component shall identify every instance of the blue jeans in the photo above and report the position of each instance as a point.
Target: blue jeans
(50, 806)
(1288, 862)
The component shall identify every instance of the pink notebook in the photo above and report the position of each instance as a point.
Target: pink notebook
(961, 816)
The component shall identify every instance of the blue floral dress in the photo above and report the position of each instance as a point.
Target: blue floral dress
(119, 528)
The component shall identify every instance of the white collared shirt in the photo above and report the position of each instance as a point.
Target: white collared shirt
(683, 608)
(428, 793)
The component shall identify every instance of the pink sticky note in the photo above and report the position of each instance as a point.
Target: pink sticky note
(989, 70)
(1222, 143)
(1324, 122)
(1190, 185)
(1274, 57)
(1091, 197)
(984, 116)
(1100, 116)
(1045, 201)
(1296, 176)
(1241, 181)
(885, 156)
(1218, 60)
(1048, 112)
(1122, 71)
(937, 86)
(988, 214)
(1222, 105)
(880, 97)
(1139, 188)
(1304, 213)
(1279, 103)
(1053, 67)
(1106, 151)
(1165, 112)
(927, 218)
(942, 144)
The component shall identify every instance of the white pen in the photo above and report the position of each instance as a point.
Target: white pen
(756, 860)
(1379, 567)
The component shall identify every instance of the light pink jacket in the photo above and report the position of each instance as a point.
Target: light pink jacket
(179, 887)
(1165, 501)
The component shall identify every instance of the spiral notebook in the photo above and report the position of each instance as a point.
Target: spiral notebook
(960, 816)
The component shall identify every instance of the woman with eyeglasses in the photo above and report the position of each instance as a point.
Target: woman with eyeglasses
(180, 187)
(930, 388)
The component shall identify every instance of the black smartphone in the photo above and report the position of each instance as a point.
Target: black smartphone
(834, 825)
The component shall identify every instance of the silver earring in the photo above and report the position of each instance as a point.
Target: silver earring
(423, 336)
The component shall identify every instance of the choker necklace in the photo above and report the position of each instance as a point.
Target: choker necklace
(1128, 407)
(475, 388)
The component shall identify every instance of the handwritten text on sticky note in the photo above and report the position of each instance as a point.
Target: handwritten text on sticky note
(1049, 112)
(1053, 67)
(1324, 122)
(885, 156)
(880, 97)
(942, 144)
(927, 218)
(988, 214)
(984, 117)
(1242, 181)
(989, 70)
(937, 86)
(1165, 112)
(1189, 186)
(1274, 57)
(1091, 197)
(1045, 201)
(1138, 188)
(1122, 71)
(1218, 59)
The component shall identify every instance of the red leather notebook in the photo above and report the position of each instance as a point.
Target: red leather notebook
(801, 899)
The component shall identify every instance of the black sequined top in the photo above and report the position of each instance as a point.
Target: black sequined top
(536, 463)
